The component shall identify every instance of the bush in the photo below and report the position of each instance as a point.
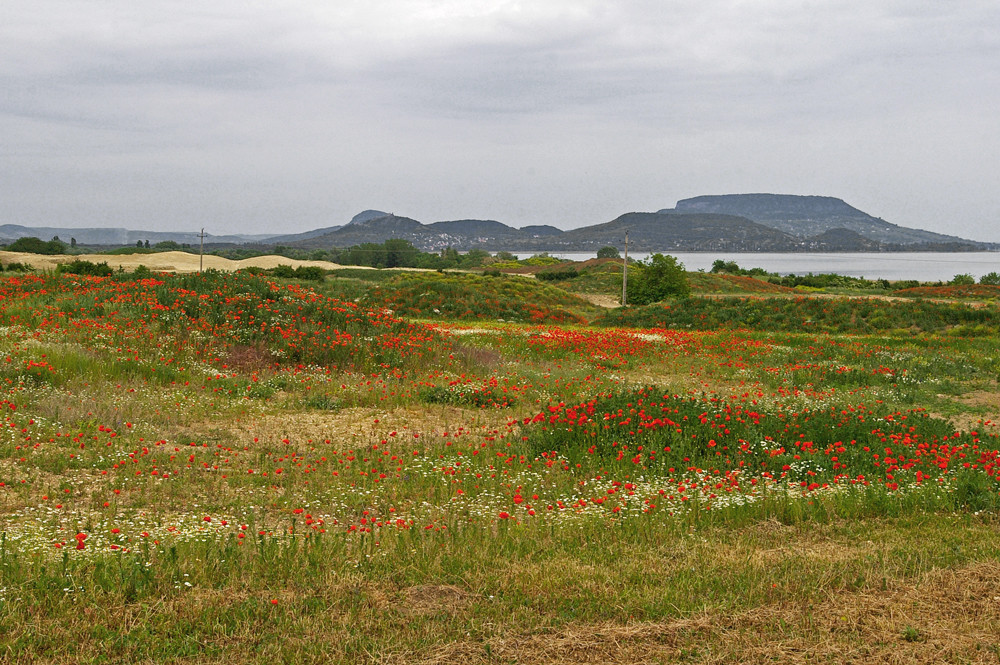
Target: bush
(79, 267)
(608, 252)
(555, 275)
(964, 279)
(990, 279)
(658, 278)
(283, 271)
(730, 267)
(312, 273)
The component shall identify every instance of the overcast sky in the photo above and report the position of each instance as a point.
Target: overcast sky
(258, 117)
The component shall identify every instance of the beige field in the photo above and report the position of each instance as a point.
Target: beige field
(161, 261)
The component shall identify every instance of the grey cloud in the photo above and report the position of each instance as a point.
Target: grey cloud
(252, 116)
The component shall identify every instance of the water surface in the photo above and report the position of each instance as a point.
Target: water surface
(923, 266)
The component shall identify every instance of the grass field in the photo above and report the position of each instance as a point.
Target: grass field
(232, 468)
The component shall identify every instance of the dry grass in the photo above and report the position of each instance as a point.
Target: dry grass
(430, 599)
(367, 425)
(949, 616)
(978, 407)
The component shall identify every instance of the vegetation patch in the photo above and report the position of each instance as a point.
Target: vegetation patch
(858, 315)
(973, 291)
(472, 297)
(719, 283)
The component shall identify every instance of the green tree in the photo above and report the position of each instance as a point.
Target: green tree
(474, 258)
(992, 279)
(366, 254)
(656, 279)
(33, 245)
(400, 253)
(730, 267)
(608, 252)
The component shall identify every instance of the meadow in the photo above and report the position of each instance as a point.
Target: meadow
(397, 468)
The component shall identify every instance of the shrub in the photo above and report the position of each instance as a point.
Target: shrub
(990, 279)
(964, 279)
(311, 273)
(555, 275)
(79, 267)
(658, 278)
(608, 252)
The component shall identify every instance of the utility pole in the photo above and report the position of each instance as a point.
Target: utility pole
(625, 273)
(201, 252)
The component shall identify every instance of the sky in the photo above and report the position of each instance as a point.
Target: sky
(245, 116)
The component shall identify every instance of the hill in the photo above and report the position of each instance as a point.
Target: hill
(463, 234)
(299, 237)
(377, 230)
(481, 230)
(365, 215)
(843, 240)
(805, 216)
(653, 232)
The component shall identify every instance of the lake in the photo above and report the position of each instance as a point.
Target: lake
(923, 266)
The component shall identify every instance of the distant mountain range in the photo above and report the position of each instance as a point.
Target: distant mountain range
(809, 216)
(116, 236)
(731, 223)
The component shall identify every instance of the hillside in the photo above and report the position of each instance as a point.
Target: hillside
(378, 229)
(479, 229)
(844, 240)
(463, 234)
(664, 231)
(805, 216)
(650, 232)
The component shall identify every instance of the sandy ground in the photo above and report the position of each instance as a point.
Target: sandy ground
(161, 261)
